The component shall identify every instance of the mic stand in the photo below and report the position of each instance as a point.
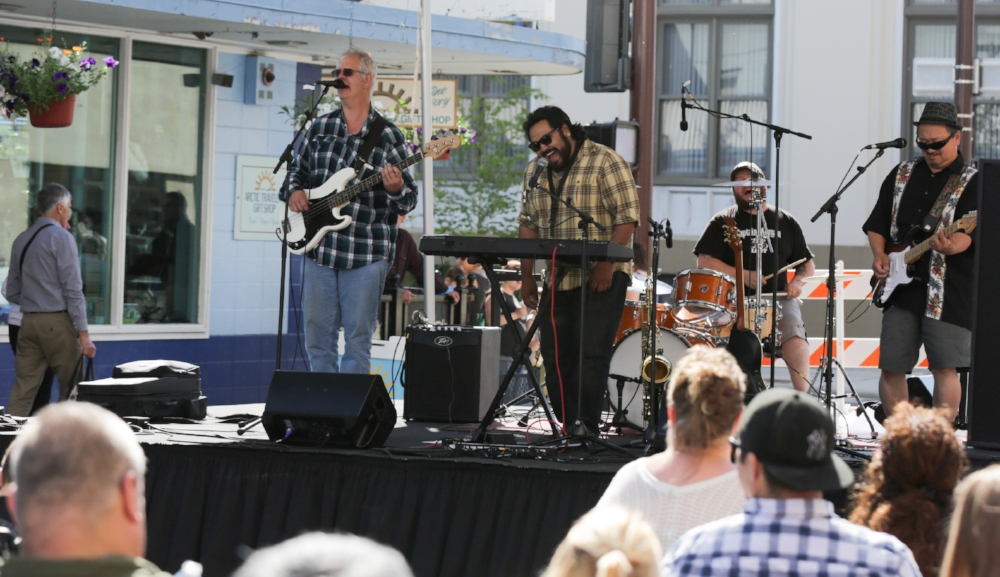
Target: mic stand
(286, 159)
(778, 132)
(830, 207)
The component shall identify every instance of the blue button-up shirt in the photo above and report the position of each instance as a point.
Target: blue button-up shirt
(795, 537)
(50, 281)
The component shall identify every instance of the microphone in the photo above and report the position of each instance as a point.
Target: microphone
(335, 83)
(670, 235)
(684, 118)
(542, 163)
(898, 143)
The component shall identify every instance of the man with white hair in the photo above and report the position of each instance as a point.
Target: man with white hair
(323, 555)
(45, 281)
(345, 272)
(78, 496)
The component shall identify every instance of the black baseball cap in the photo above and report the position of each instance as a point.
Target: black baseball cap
(793, 437)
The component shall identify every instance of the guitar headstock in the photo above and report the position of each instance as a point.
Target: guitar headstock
(967, 223)
(439, 146)
(732, 234)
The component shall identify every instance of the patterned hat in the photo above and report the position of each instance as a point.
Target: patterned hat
(793, 437)
(939, 113)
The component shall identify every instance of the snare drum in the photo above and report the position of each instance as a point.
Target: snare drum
(626, 361)
(704, 298)
(634, 314)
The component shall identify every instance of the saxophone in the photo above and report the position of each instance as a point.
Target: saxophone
(656, 368)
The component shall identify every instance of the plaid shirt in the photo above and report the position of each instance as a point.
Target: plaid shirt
(600, 182)
(328, 148)
(796, 537)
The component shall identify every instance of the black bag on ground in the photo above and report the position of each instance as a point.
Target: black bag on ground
(156, 389)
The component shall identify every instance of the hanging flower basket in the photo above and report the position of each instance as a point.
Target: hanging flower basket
(45, 86)
(58, 115)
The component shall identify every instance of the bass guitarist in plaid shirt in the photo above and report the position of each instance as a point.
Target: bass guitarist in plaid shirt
(345, 272)
(600, 182)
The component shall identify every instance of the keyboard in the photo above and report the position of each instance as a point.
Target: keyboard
(493, 247)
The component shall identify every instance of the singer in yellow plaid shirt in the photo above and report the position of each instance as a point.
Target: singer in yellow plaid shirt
(599, 181)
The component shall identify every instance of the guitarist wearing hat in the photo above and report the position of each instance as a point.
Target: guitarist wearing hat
(921, 201)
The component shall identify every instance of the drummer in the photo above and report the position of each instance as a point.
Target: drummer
(637, 290)
(714, 253)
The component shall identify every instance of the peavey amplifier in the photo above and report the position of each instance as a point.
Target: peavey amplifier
(452, 372)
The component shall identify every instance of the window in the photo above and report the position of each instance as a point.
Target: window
(931, 73)
(80, 157)
(149, 269)
(724, 51)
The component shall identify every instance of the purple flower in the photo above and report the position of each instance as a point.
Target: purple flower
(35, 63)
(61, 88)
(463, 131)
(110, 61)
(86, 63)
(61, 75)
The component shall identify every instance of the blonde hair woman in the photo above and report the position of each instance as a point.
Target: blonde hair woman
(607, 542)
(974, 532)
(694, 481)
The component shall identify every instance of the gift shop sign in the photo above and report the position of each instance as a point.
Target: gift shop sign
(389, 92)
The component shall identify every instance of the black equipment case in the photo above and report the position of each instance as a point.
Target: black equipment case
(155, 389)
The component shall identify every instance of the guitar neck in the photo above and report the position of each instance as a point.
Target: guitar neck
(738, 256)
(371, 182)
(918, 251)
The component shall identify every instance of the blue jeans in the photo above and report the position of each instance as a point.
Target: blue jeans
(335, 298)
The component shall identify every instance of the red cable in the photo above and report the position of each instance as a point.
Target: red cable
(555, 342)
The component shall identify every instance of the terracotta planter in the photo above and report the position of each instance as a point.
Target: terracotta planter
(445, 155)
(58, 115)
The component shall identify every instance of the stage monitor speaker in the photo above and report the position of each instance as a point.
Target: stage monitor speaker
(328, 409)
(984, 394)
(452, 372)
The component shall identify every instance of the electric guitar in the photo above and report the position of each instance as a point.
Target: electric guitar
(744, 344)
(903, 256)
(302, 231)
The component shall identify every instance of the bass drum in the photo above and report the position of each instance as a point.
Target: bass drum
(626, 361)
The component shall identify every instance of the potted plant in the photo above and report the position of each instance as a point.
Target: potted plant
(45, 86)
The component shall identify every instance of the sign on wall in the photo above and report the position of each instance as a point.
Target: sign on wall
(258, 209)
(444, 96)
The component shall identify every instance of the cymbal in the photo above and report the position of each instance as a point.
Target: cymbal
(745, 182)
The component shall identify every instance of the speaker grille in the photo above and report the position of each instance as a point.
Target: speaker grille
(984, 393)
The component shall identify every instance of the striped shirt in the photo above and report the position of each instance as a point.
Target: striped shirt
(328, 148)
(793, 537)
(600, 182)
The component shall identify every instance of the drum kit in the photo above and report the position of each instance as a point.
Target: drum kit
(702, 312)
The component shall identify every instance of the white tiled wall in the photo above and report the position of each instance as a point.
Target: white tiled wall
(245, 274)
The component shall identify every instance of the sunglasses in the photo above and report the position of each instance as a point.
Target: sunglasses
(543, 141)
(347, 72)
(934, 145)
(736, 445)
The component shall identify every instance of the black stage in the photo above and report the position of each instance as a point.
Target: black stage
(212, 496)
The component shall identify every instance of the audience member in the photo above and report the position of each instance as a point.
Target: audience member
(607, 542)
(409, 259)
(511, 335)
(694, 481)
(785, 462)
(908, 486)
(974, 531)
(45, 281)
(79, 495)
(479, 289)
(323, 555)
(455, 278)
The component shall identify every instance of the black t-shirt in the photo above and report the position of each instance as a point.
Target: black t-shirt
(792, 246)
(919, 196)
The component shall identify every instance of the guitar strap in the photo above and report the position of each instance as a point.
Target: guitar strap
(374, 135)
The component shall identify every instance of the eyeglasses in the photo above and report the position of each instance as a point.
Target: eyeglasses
(736, 445)
(348, 72)
(934, 145)
(543, 141)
